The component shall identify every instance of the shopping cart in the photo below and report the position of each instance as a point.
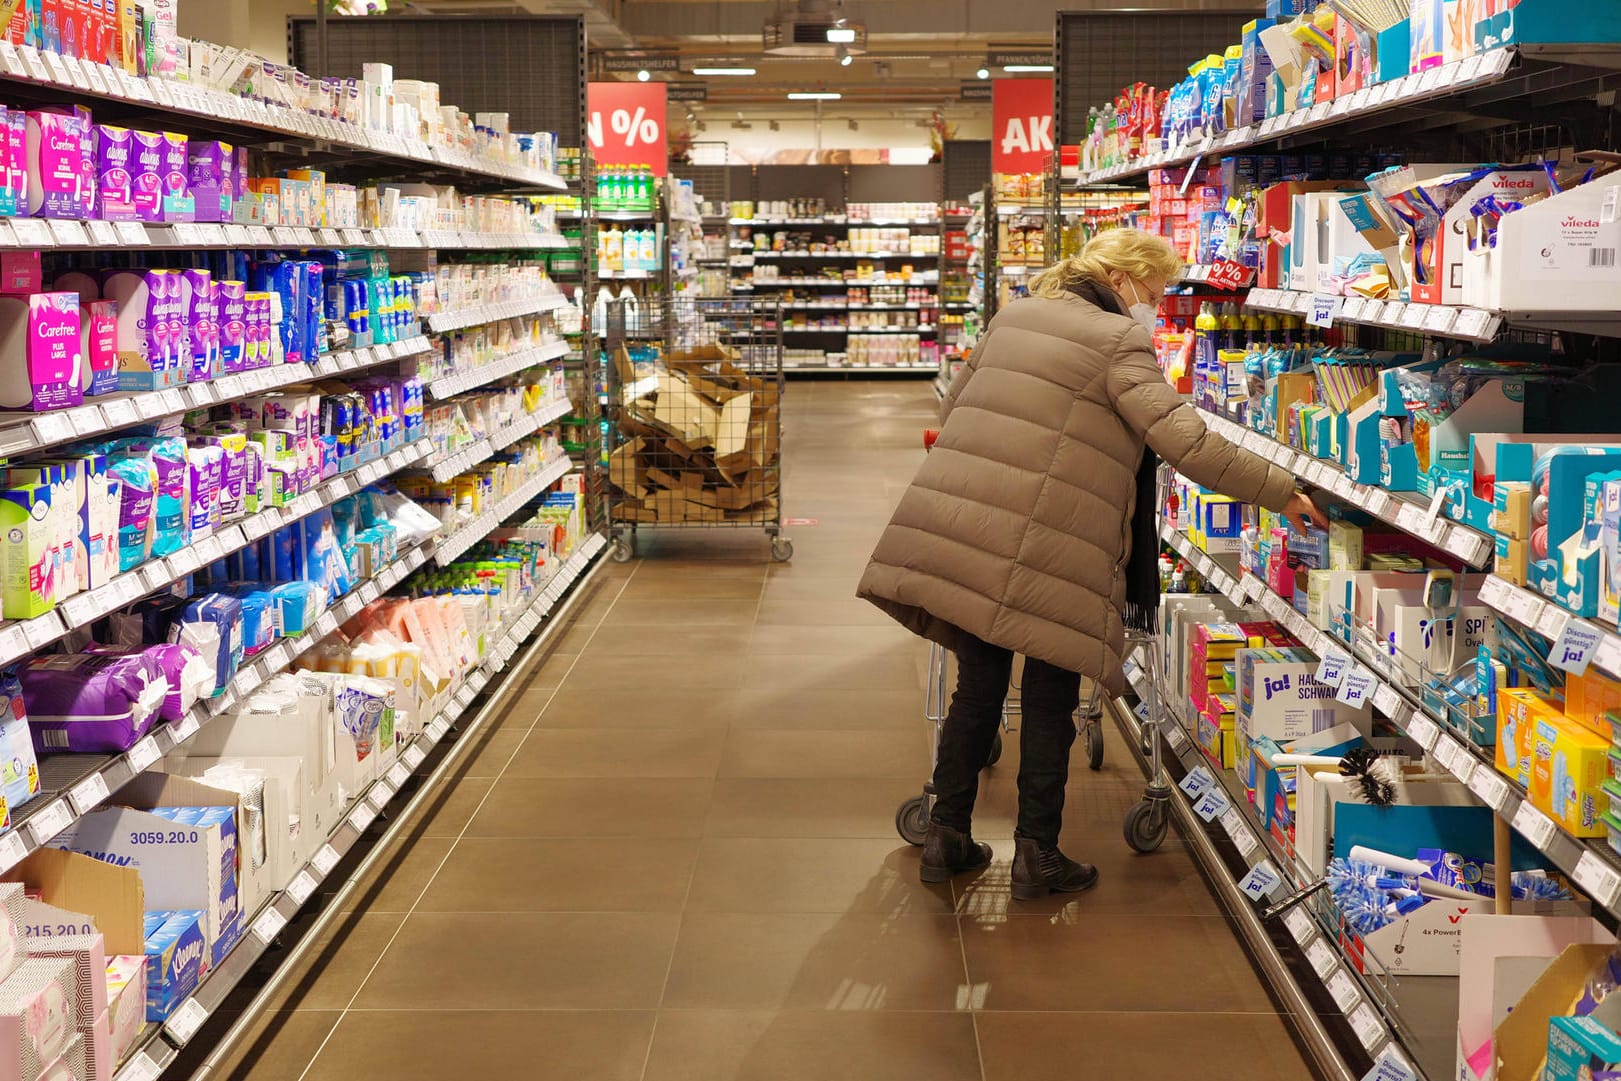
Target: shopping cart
(1147, 821)
(912, 819)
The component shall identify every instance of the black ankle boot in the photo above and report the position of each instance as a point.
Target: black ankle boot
(947, 852)
(1038, 871)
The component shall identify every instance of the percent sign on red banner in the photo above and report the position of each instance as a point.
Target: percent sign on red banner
(625, 124)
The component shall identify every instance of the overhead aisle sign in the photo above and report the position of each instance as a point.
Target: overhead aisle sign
(625, 123)
(1022, 125)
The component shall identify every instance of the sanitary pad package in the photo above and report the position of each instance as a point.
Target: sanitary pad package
(91, 702)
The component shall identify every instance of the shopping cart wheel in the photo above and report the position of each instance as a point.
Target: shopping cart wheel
(782, 549)
(912, 820)
(996, 752)
(1146, 824)
(1094, 743)
(624, 548)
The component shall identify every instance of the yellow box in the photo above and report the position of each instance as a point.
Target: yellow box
(1568, 763)
(1518, 710)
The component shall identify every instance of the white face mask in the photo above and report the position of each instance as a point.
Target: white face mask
(1144, 313)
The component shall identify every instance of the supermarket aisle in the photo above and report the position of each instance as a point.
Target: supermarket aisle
(674, 858)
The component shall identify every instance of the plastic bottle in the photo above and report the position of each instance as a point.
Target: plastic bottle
(1231, 326)
(1206, 343)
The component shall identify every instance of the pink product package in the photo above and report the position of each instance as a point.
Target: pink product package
(210, 177)
(115, 173)
(88, 954)
(233, 326)
(8, 194)
(146, 179)
(36, 1017)
(54, 350)
(21, 273)
(178, 204)
(200, 295)
(99, 319)
(126, 1002)
(17, 157)
(261, 331)
(239, 173)
(56, 155)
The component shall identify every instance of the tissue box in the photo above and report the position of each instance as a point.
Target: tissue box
(36, 1018)
(174, 960)
(126, 1002)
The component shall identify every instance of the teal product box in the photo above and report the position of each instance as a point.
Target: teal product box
(27, 551)
(1581, 1049)
(1393, 56)
(1542, 21)
(1609, 607)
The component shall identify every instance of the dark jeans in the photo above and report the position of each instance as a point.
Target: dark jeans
(1048, 697)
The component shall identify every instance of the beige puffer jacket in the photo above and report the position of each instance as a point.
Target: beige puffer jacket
(1017, 528)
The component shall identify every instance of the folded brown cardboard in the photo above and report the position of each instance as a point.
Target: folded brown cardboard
(112, 897)
(1520, 1042)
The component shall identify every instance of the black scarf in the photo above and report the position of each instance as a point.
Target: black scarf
(1142, 571)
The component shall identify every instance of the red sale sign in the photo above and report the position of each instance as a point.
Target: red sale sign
(625, 123)
(1021, 125)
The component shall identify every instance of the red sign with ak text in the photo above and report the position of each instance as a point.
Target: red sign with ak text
(625, 123)
(1021, 125)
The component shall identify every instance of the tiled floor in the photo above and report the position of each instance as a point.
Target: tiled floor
(674, 859)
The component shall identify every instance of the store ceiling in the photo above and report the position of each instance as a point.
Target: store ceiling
(918, 52)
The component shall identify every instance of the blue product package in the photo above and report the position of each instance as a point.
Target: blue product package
(285, 554)
(174, 961)
(286, 280)
(212, 625)
(258, 621)
(137, 493)
(323, 560)
(19, 767)
(298, 606)
(171, 489)
(205, 472)
(314, 323)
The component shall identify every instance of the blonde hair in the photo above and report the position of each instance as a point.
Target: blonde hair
(1142, 255)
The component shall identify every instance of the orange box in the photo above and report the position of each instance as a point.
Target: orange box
(1588, 697)
(1518, 711)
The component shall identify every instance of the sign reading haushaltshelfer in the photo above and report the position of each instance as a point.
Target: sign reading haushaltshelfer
(641, 62)
(1021, 125)
(625, 123)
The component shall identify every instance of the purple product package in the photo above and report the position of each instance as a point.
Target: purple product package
(239, 173)
(115, 176)
(200, 296)
(178, 204)
(206, 466)
(91, 703)
(259, 330)
(233, 326)
(177, 321)
(146, 170)
(209, 172)
(56, 155)
(233, 447)
(17, 157)
(8, 194)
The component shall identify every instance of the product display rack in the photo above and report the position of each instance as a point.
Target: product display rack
(1356, 1014)
(73, 784)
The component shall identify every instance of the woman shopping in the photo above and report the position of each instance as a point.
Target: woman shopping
(1031, 529)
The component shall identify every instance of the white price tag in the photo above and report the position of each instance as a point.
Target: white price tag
(1424, 731)
(1357, 688)
(437, 730)
(380, 793)
(88, 793)
(301, 887)
(1342, 989)
(268, 925)
(1462, 542)
(413, 756)
(1232, 820)
(1472, 323)
(49, 821)
(1320, 955)
(1608, 655)
(1365, 1023)
(325, 858)
(1262, 880)
(1534, 826)
(132, 233)
(140, 1068)
(1598, 879)
(13, 850)
(1395, 311)
(1438, 319)
(1491, 787)
(186, 727)
(1523, 606)
(143, 754)
(69, 234)
(1299, 925)
(362, 816)
(1575, 646)
(398, 774)
(187, 1018)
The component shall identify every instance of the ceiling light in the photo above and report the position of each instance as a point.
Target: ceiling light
(841, 35)
(815, 95)
(844, 56)
(723, 71)
(643, 75)
(983, 73)
(1021, 68)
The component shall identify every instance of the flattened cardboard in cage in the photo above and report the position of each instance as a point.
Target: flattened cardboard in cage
(685, 411)
(624, 471)
(702, 355)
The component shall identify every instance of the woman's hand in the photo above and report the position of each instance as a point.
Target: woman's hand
(1301, 511)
